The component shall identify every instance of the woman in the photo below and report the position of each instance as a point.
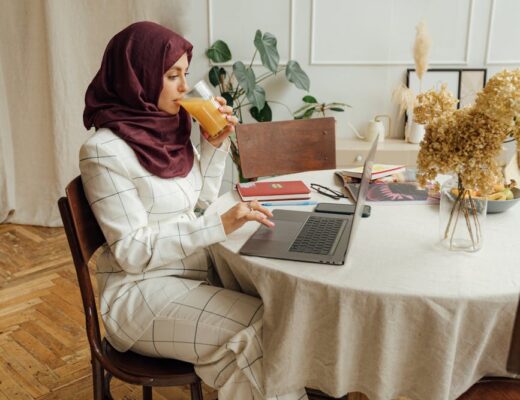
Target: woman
(143, 179)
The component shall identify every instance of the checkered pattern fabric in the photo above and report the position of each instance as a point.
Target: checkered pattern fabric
(152, 272)
(156, 244)
(220, 331)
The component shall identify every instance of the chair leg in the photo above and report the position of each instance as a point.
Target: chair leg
(147, 393)
(196, 391)
(107, 395)
(98, 379)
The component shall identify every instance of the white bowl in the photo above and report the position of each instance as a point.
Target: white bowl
(498, 206)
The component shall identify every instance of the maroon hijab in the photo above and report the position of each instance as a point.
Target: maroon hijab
(124, 93)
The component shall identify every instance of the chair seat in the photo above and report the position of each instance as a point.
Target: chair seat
(153, 371)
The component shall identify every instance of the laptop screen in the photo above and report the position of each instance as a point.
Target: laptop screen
(363, 189)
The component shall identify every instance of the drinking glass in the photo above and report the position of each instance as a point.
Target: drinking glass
(200, 102)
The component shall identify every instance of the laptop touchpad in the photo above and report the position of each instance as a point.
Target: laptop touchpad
(284, 231)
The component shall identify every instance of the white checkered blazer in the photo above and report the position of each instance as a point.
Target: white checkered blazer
(156, 244)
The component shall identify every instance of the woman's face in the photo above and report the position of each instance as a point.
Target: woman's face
(174, 86)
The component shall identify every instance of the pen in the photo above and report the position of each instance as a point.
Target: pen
(291, 203)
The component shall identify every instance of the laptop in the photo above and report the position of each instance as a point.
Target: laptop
(311, 236)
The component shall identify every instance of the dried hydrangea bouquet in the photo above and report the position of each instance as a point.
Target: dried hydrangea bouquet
(466, 143)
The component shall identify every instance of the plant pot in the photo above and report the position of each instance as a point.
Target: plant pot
(415, 132)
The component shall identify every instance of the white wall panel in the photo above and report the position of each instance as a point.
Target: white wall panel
(355, 51)
(503, 45)
(381, 32)
(235, 22)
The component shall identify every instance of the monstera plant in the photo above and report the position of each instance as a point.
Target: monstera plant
(241, 87)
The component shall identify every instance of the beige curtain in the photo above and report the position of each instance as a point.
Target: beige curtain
(49, 52)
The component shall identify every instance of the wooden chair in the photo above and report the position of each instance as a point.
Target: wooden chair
(284, 147)
(491, 388)
(85, 237)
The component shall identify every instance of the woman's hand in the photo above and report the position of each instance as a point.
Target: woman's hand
(228, 129)
(242, 212)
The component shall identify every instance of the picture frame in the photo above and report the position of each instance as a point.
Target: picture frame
(463, 83)
(433, 79)
(472, 80)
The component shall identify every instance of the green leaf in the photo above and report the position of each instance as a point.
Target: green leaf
(219, 52)
(308, 113)
(264, 115)
(266, 46)
(304, 108)
(303, 111)
(336, 109)
(296, 75)
(213, 76)
(310, 99)
(229, 98)
(340, 104)
(245, 77)
(257, 97)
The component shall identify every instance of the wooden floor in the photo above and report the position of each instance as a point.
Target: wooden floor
(44, 353)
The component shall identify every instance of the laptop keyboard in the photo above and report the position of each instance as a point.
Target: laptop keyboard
(317, 236)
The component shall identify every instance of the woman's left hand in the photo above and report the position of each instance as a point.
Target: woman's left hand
(228, 129)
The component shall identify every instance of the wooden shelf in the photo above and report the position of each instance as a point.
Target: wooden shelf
(391, 151)
(351, 152)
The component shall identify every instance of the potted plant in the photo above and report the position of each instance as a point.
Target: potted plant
(466, 143)
(241, 87)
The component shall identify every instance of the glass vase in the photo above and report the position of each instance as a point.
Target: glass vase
(462, 217)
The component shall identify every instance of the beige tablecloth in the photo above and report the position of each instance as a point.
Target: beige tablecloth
(402, 316)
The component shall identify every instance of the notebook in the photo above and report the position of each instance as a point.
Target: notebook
(281, 190)
(311, 236)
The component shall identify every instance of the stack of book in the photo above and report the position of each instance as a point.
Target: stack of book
(378, 171)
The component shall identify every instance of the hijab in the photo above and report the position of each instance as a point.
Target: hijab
(123, 97)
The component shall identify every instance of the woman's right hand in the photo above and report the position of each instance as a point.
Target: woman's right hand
(243, 212)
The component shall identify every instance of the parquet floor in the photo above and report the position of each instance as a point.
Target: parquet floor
(44, 354)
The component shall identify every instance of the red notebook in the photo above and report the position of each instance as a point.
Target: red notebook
(283, 190)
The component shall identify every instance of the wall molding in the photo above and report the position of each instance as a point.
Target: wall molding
(465, 61)
(489, 61)
(247, 62)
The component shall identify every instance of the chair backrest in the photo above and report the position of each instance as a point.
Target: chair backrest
(284, 147)
(85, 237)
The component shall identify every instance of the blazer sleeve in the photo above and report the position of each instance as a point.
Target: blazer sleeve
(138, 244)
(212, 167)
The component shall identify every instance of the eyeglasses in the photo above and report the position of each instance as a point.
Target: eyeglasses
(324, 190)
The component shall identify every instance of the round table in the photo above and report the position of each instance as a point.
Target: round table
(403, 316)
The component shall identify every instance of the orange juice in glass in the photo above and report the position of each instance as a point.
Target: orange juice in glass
(202, 106)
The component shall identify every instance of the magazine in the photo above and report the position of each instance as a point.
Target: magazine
(397, 189)
(396, 192)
